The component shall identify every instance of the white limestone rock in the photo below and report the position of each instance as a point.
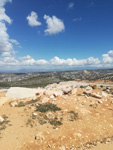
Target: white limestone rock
(13, 104)
(1, 119)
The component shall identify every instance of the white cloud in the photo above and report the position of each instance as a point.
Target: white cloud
(27, 62)
(33, 19)
(71, 5)
(54, 25)
(14, 41)
(41, 62)
(6, 44)
(108, 58)
(110, 53)
(3, 2)
(93, 61)
(56, 61)
(3, 16)
(6, 54)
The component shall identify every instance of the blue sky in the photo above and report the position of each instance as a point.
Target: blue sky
(56, 34)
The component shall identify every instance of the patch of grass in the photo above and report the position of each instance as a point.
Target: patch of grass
(5, 117)
(82, 86)
(29, 122)
(34, 117)
(42, 121)
(2, 127)
(79, 95)
(73, 115)
(91, 105)
(55, 122)
(20, 104)
(47, 107)
(31, 101)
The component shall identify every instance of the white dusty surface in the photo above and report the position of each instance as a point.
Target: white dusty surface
(19, 92)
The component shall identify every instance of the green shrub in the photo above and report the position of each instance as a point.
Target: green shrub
(47, 107)
(31, 101)
(55, 122)
(74, 115)
(4, 123)
(20, 104)
(42, 121)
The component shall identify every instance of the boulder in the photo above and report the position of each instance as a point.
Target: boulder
(67, 90)
(1, 119)
(88, 90)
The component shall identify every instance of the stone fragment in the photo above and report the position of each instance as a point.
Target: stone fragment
(1, 119)
(13, 104)
(39, 136)
(99, 101)
(35, 114)
(62, 148)
(95, 95)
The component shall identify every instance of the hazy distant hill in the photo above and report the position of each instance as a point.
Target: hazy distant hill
(43, 78)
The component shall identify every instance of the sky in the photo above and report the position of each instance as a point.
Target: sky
(43, 35)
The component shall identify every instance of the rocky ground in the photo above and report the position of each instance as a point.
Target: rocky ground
(65, 116)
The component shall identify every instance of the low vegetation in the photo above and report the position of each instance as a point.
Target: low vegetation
(20, 104)
(73, 115)
(4, 123)
(47, 107)
(31, 101)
